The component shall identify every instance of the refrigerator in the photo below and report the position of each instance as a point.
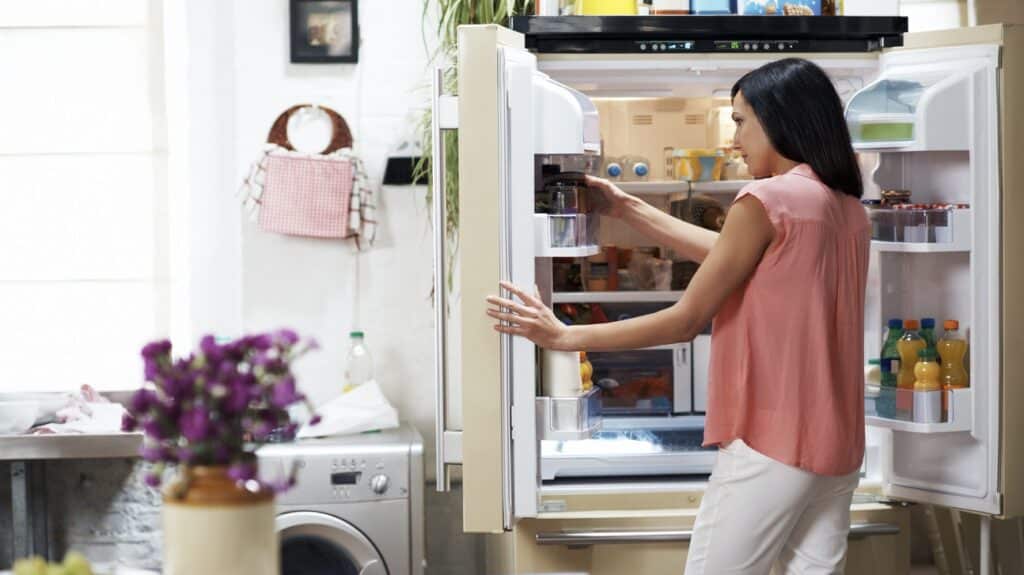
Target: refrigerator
(936, 113)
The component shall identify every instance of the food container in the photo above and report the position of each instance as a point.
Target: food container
(918, 224)
(699, 165)
(882, 127)
(606, 7)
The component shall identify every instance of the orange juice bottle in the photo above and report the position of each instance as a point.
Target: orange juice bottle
(908, 346)
(952, 349)
(927, 399)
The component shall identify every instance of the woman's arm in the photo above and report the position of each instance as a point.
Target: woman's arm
(746, 235)
(690, 241)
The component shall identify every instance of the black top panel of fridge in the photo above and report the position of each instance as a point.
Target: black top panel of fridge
(709, 34)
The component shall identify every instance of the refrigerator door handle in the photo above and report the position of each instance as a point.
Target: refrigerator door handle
(444, 116)
(588, 538)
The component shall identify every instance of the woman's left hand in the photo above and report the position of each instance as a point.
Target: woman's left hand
(530, 319)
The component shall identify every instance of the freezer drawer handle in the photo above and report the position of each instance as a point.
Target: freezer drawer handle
(587, 538)
(448, 444)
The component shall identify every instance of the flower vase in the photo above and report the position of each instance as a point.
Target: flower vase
(214, 525)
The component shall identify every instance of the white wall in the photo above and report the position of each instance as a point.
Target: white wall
(320, 288)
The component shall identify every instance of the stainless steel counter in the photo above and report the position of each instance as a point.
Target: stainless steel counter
(27, 455)
(70, 446)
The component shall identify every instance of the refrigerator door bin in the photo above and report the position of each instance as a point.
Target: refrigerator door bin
(568, 418)
(918, 411)
(921, 230)
(565, 235)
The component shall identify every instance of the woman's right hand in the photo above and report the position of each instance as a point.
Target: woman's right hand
(613, 201)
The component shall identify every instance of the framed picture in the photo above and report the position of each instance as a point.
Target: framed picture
(324, 31)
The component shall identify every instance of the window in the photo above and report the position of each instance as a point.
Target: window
(85, 214)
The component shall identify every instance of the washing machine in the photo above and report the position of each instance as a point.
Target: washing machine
(356, 507)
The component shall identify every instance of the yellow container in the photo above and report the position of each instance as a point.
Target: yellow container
(699, 165)
(606, 7)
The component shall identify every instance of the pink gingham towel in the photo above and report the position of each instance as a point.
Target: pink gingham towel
(311, 195)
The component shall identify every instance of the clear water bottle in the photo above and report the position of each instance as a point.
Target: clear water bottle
(358, 362)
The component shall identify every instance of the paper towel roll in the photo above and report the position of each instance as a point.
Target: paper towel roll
(561, 373)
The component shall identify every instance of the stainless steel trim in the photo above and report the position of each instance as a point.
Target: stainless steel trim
(586, 538)
(505, 274)
(440, 293)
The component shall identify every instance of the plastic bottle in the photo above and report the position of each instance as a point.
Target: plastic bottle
(890, 357)
(613, 169)
(927, 390)
(952, 349)
(358, 362)
(909, 344)
(928, 334)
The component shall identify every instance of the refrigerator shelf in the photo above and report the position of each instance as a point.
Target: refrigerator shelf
(569, 418)
(635, 296)
(897, 409)
(682, 186)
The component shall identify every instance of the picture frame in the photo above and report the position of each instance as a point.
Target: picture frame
(324, 31)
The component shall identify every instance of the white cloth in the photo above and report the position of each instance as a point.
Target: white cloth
(85, 412)
(757, 513)
(361, 409)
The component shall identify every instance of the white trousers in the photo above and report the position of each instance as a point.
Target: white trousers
(758, 512)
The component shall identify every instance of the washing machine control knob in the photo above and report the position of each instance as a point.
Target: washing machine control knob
(379, 483)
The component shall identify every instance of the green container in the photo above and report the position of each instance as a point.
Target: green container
(886, 131)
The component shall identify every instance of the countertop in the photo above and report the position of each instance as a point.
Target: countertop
(69, 446)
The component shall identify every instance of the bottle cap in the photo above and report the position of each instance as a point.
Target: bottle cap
(928, 323)
(355, 334)
(895, 324)
(951, 324)
(911, 324)
(926, 354)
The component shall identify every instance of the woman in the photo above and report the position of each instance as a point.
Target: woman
(784, 282)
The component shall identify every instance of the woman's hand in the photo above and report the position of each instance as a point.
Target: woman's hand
(530, 319)
(613, 201)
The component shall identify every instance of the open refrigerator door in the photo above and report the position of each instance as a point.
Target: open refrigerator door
(933, 117)
(508, 114)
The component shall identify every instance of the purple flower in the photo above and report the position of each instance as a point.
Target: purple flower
(283, 393)
(152, 479)
(211, 351)
(287, 336)
(153, 453)
(261, 429)
(316, 420)
(128, 422)
(260, 342)
(153, 429)
(195, 424)
(242, 471)
(237, 398)
(156, 349)
(142, 400)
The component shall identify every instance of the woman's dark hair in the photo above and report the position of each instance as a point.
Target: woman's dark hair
(802, 115)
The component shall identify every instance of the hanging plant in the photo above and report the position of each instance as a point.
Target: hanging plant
(450, 15)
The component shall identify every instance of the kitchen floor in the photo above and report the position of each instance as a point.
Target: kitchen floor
(924, 570)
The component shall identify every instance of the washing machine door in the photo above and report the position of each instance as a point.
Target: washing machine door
(319, 544)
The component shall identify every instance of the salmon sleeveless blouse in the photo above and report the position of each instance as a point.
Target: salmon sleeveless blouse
(787, 348)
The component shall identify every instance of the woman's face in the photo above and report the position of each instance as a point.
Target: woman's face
(751, 141)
